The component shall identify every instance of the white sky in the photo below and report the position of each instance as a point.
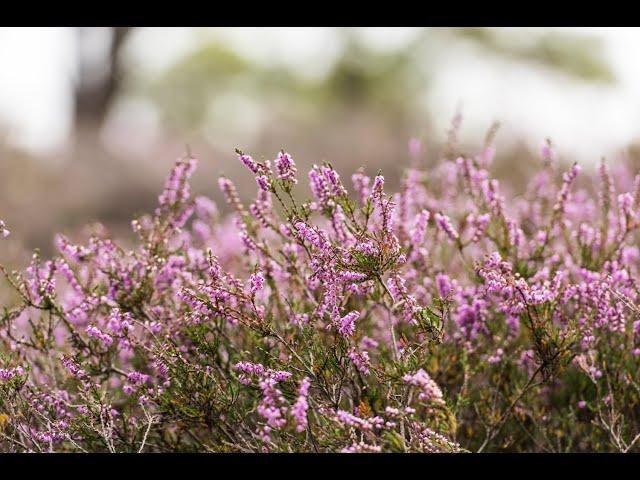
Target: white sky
(35, 99)
(37, 71)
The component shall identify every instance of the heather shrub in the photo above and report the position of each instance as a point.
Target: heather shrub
(454, 315)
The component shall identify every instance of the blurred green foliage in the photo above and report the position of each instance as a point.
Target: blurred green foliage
(580, 56)
(361, 78)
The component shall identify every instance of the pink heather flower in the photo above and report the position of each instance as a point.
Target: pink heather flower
(481, 222)
(420, 227)
(286, 167)
(361, 447)
(433, 442)
(496, 357)
(299, 409)
(176, 188)
(369, 343)
(444, 284)
(310, 235)
(368, 248)
(430, 390)
(98, 334)
(260, 371)
(378, 188)
(273, 405)
(247, 241)
(333, 182)
(231, 195)
(444, 223)
(300, 319)
(73, 368)
(347, 324)
(352, 276)
(74, 252)
(118, 321)
(264, 183)
(256, 282)
(249, 163)
(8, 374)
(627, 215)
(137, 378)
(351, 420)
(360, 360)
(582, 404)
(319, 186)
(67, 273)
(563, 195)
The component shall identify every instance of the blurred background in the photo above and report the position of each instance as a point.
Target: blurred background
(91, 119)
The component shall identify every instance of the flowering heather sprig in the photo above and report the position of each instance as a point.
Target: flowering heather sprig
(272, 407)
(260, 371)
(361, 361)
(433, 442)
(73, 368)
(7, 374)
(347, 324)
(286, 167)
(41, 282)
(378, 188)
(418, 231)
(176, 188)
(563, 195)
(231, 195)
(76, 253)
(264, 183)
(261, 209)
(119, 322)
(102, 337)
(430, 391)
(361, 447)
(256, 282)
(299, 409)
(326, 186)
(480, 222)
(444, 224)
(249, 162)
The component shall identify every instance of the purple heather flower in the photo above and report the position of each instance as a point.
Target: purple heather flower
(347, 324)
(444, 223)
(286, 167)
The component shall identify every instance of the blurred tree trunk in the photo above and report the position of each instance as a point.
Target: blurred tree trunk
(99, 82)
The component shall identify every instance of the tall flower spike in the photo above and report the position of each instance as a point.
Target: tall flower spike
(299, 409)
(420, 227)
(286, 167)
(444, 223)
(563, 195)
(248, 162)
